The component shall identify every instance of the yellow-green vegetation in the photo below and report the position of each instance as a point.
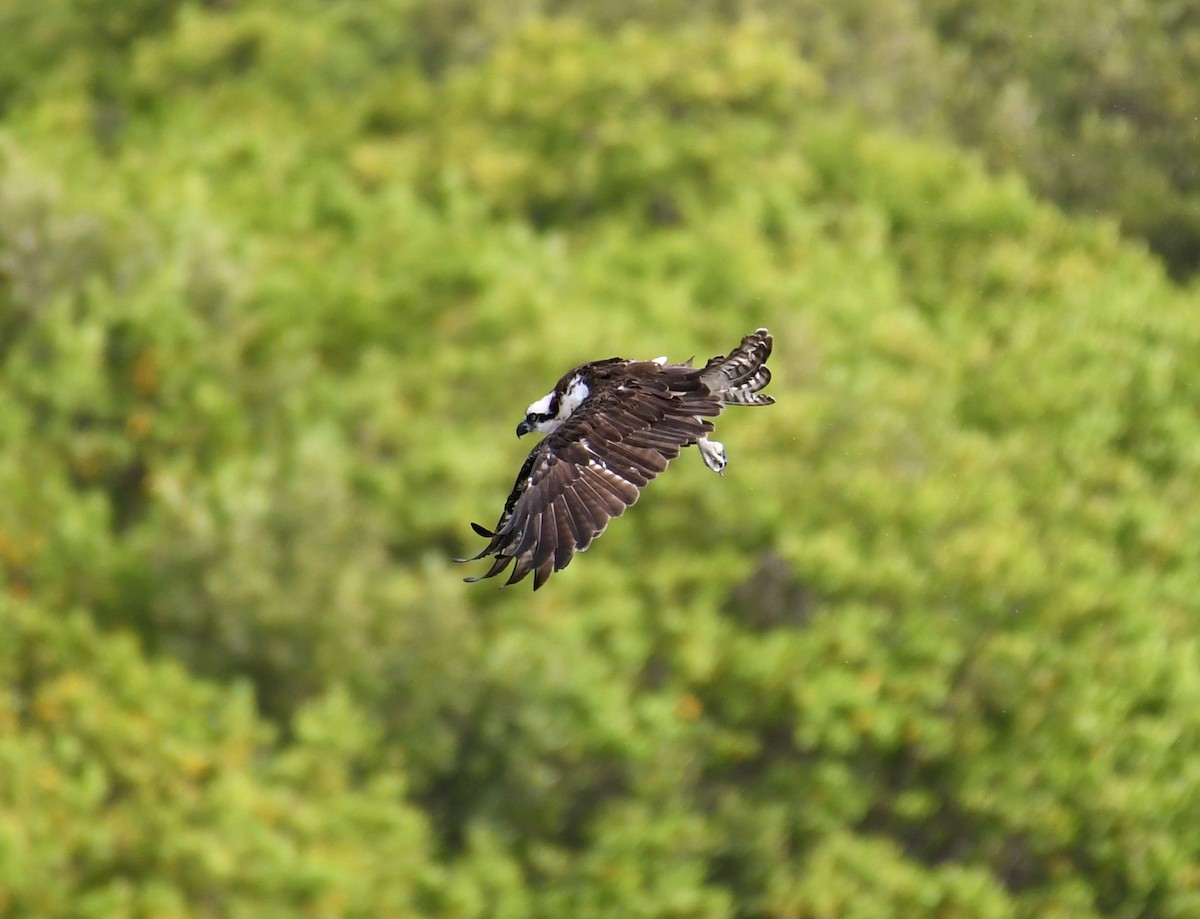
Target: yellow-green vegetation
(276, 280)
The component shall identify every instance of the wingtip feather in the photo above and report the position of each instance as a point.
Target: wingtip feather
(542, 573)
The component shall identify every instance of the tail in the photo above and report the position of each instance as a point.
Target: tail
(739, 377)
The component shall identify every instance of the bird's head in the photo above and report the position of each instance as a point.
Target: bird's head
(550, 411)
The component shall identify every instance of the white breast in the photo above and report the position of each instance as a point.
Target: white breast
(577, 391)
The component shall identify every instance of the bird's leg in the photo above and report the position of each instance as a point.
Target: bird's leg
(713, 453)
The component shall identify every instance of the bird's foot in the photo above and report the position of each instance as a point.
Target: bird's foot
(713, 453)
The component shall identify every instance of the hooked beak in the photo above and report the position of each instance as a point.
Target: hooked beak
(524, 428)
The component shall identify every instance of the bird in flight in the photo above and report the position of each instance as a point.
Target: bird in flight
(610, 427)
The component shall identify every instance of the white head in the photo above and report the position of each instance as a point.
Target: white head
(550, 411)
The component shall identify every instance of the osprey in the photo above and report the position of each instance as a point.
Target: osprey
(611, 426)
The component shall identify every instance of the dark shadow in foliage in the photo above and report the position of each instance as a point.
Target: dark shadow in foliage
(1176, 239)
(487, 782)
(771, 598)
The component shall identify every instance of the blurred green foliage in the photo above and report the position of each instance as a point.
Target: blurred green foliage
(275, 280)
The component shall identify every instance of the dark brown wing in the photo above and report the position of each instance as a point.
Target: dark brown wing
(638, 418)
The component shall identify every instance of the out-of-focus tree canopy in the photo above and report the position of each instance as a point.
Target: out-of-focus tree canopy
(1095, 104)
(277, 278)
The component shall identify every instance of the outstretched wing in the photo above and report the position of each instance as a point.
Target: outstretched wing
(595, 465)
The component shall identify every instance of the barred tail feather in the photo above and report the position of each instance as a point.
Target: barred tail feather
(740, 376)
(747, 397)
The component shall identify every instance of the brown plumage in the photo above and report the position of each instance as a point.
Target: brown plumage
(611, 426)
